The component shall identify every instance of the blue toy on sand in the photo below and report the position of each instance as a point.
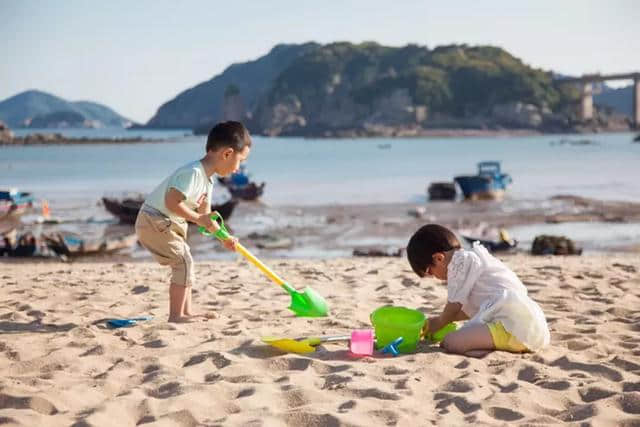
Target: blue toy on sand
(121, 323)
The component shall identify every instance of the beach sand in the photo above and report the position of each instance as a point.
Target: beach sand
(60, 365)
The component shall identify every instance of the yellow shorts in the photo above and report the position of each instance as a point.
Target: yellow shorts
(503, 340)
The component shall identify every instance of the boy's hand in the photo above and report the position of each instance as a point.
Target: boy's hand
(204, 220)
(230, 243)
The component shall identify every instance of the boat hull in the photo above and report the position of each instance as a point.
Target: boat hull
(481, 187)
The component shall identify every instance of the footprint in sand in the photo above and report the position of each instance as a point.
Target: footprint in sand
(375, 393)
(346, 406)
(218, 359)
(296, 398)
(246, 392)
(577, 413)
(504, 414)
(509, 388)
(554, 385)
(305, 419)
(591, 369)
(385, 417)
(334, 382)
(35, 403)
(591, 394)
(457, 386)
(459, 402)
(94, 351)
(166, 390)
(629, 403)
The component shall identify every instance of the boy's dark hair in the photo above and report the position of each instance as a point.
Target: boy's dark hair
(425, 242)
(228, 134)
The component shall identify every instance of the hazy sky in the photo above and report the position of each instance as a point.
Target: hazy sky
(135, 55)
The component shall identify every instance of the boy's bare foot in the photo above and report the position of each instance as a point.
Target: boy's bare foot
(181, 319)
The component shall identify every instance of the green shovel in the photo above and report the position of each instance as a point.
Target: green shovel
(307, 303)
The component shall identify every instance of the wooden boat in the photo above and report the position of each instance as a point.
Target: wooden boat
(72, 244)
(126, 210)
(505, 244)
(442, 191)
(15, 201)
(13, 204)
(240, 186)
(251, 191)
(489, 183)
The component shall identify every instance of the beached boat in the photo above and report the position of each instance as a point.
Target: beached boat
(126, 210)
(240, 185)
(251, 191)
(442, 191)
(72, 244)
(13, 204)
(504, 244)
(489, 183)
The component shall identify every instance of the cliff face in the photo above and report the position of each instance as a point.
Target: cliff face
(202, 105)
(343, 89)
(363, 89)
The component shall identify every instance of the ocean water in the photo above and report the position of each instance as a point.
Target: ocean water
(334, 171)
(307, 172)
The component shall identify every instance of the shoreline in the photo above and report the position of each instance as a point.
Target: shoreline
(333, 231)
(54, 138)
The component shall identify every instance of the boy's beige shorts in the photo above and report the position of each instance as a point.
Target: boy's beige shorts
(166, 240)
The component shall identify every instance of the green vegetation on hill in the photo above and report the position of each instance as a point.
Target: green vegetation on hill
(316, 89)
(345, 88)
(460, 81)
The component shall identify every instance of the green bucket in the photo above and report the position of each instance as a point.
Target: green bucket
(393, 322)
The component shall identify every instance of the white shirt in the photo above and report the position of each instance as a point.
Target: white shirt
(191, 180)
(490, 292)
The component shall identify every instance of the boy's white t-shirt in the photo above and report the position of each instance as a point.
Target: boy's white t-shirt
(489, 292)
(191, 180)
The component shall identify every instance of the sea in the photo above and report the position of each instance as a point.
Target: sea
(307, 171)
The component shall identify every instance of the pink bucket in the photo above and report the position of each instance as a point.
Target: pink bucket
(361, 343)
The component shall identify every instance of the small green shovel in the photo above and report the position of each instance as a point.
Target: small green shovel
(307, 303)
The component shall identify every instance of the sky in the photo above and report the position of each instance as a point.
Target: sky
(133, 56)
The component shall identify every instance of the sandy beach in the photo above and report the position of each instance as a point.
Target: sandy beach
(60, 365)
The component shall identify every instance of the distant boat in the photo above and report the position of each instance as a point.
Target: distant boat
(442, 191)
(505, 243)
(13, 204)
(240, 186)
(15, 201)
(489, 183)
(126, 210)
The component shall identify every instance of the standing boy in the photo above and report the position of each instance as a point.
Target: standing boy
(184, 196)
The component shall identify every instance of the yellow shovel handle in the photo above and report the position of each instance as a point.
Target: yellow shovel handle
(255, 261)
